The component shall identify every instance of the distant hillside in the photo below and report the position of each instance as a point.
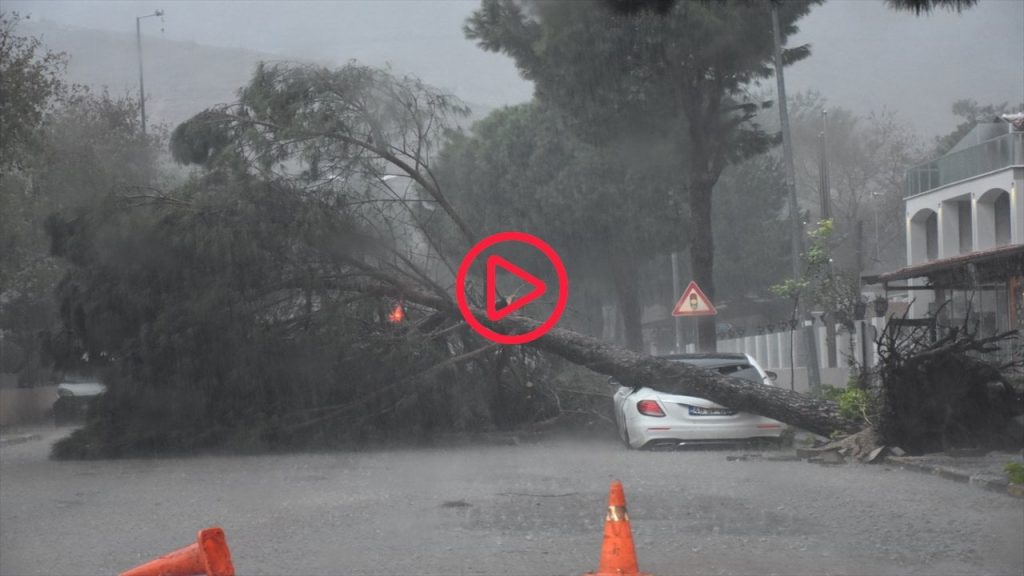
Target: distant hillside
(865, 56)
(181, 78)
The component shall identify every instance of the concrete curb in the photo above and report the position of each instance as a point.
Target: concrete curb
(19, 439)
(1000, 485)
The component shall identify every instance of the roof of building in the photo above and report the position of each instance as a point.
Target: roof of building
(995, 264)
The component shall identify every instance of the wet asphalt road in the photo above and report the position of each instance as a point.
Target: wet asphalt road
(533, 509)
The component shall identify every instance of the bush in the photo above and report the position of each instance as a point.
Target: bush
(220, 338)
(383, 390)
(854, 403)
(1015, 472)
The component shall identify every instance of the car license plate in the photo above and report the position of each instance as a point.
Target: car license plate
(699, 411)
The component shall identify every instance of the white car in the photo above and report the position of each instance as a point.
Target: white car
(73, 400)
(647, 418)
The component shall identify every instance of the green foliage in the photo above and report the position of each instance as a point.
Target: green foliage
(815, 259)
(854, 403)
(31, 80)
(199, 139)
(237, 311)
(613, 74)
(1015, 472)
(31, 77)
(217, 315)
(321, 128)
(62, 149)
(332, 121)
(816, 256)
(790, 288)
(920, 7)
(834, 291)
(682, 75)
(606, 209)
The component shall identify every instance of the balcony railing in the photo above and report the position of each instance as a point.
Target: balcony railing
(986, 157)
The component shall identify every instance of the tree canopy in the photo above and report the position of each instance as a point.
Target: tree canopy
(62, 149)
(684, 72)
(918, 7)
(521, 169)
(31, 77)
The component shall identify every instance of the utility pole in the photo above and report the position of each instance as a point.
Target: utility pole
(677, 294)
(787, 146)
(825, 197)
(823, 172)
(138, 47)
(874, 202)
(813, 372)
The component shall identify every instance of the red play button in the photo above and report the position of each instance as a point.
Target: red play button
(539, 287)
(492, 314)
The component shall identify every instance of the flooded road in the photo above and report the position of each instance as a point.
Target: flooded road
(527, 509)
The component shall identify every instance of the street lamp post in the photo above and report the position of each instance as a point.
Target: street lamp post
(874, 197)
(138, 46)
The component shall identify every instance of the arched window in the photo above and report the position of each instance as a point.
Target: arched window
(993, 218)
(924, 236)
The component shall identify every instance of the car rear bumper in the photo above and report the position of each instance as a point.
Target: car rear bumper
(644, 430)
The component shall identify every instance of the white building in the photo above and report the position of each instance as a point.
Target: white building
(965, 231)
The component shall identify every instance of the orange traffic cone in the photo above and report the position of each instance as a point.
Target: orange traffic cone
(618, 557)
(209, 556)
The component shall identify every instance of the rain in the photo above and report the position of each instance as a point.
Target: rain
(402, 287)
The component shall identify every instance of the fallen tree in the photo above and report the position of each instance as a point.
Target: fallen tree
(323, 120)
(634, 369)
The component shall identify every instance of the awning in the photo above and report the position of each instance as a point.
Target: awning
(963, 271)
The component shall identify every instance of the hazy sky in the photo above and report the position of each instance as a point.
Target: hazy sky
(865, 56)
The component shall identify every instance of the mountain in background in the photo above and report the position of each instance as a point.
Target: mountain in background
(865, 56)
(181, 78)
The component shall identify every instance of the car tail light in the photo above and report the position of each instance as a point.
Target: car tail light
(650, 408)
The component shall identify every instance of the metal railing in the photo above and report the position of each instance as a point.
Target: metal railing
(991, 155)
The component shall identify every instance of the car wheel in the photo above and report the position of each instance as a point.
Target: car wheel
(625, 438)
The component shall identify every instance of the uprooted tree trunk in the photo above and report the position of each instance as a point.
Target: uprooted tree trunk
(636, 369)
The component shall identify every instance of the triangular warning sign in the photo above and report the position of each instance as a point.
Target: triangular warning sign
(694, 303)
(539, 287)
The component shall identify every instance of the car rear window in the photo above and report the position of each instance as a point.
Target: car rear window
(745, 371)
(726, 367)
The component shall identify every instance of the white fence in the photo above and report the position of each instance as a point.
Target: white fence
(778, 351)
